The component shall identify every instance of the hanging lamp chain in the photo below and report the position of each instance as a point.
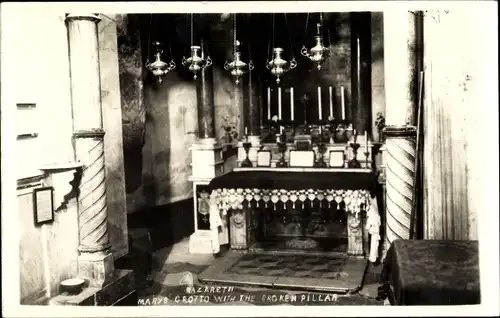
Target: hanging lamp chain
(273, 30)
(307, 21)
(289, 36)
(192, 30)
(234, 35)
(149, 38)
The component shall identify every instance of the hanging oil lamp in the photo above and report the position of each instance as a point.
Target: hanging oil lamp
(196, 62)
(319, 52)
(278, 65)
(159, 68)
(237, 67)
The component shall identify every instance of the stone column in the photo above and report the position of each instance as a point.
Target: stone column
(206, 110)
(252, 107)
(95, 260)
(400, 78)
(361, 72)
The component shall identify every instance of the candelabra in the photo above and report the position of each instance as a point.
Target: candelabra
(367, 154)
(237, 67)
(247, 145)
(319, 52)
(196, 62)
(281, 142)
(354, 163)
(278, 65)
(159, 68)
(320, 163)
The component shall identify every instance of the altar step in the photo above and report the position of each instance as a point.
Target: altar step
(320, 272)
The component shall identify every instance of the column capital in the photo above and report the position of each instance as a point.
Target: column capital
(400, 131)
(94, 17)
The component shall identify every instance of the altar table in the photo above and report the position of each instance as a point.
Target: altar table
(354, 190)
(432, 272)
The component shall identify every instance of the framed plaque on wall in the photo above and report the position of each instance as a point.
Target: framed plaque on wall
(43, 205)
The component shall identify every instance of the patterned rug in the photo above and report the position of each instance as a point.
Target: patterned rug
(160, 292)
(294, 265)
(314, 272)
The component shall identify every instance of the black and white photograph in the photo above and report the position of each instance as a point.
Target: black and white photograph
(313, 158)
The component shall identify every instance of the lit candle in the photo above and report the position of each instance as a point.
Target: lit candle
(291, 103)
(246, 131)
(342, 101)
(331, 102)
(279, 103)
(269, 103)
(319, 103)
(366, 141)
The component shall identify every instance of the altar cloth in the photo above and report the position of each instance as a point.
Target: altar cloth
(433, 272)
(295, 180)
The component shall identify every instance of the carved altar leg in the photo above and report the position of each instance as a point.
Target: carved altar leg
(354, 235)
(95, 260)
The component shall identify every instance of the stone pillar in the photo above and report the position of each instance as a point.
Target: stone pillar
(400, 66)
(95, 260)
(253, 106)
(206, 164)
(206, 110)
(400, 78)
(361, 72)
(251, 118)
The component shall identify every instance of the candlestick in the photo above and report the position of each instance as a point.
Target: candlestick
(331, 101)
(291, 103)
(319, 103)
(366, 140)
(269, 103)
(279, 103)
(342, 101)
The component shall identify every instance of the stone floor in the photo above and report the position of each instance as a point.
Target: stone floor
(165, 272)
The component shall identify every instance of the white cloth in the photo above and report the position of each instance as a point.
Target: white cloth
(373, 226)
(215, 222)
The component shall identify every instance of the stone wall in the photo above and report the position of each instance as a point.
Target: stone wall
(113, 140)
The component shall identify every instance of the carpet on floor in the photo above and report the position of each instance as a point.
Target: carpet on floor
(177, 284)
(334, 272)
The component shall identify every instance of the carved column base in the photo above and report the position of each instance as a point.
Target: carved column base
(96, 267)
(207, 159)
(200, 242)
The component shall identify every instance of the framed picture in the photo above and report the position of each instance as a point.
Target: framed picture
(43, 205)
(336, 159)
(300, 158)
(263, 158)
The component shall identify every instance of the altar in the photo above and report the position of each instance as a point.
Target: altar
(245, 198)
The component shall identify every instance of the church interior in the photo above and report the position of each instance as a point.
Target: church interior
(303, 153)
